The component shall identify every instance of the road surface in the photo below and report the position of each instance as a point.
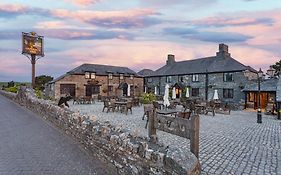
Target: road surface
(29, 145)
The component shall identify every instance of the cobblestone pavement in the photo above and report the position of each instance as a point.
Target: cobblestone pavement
(28, 145)
(229, 144)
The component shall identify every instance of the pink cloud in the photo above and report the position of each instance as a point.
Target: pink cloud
(13, 8)
(124, 18)
(84, 2)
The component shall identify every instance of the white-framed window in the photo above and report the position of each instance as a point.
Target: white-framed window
(168, 79)
(87, 75)
(195, 77)
(227, 77)
(228, 93)
(121, 76)
(93, 75)
(110, 76)
(131, 77)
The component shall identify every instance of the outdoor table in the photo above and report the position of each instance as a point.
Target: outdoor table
(161, 103)
(120, 104)
(167, 111)
(200, 108)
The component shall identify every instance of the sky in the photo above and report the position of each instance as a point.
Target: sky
(136, 33)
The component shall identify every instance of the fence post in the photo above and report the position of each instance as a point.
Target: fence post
(194, 135)
(151, 128)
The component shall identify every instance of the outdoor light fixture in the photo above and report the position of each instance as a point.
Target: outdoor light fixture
(259, 116)
(270, 72)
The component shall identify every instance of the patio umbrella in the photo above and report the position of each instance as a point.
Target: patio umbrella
(129, 90)
(216, 95)
(174, 93)
(155, 90)
(166, 96)
(144, 89)
(187, 92)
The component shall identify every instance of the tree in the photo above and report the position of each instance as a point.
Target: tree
(41, 80)
(277, 67)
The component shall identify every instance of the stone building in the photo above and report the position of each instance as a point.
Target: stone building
(202, 77)
(94, 79)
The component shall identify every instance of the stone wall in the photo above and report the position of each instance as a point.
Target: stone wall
(128, 153)
(80, 81)
(215, 82)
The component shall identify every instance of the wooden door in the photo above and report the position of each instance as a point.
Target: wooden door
(67, 89)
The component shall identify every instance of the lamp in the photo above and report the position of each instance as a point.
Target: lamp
(270, 72)
(259, 116)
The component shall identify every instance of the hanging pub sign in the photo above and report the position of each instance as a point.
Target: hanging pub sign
(32, 44)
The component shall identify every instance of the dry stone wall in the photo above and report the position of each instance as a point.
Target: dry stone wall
(128, 153)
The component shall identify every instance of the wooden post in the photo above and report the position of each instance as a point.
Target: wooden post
(151, 128)
(194, 135)
(33, 61)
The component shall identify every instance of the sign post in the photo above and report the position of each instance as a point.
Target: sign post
(32, 47)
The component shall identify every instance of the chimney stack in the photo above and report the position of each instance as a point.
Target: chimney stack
(171, 59)
(223, 50)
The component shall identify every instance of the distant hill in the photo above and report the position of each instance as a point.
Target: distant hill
(16, 83)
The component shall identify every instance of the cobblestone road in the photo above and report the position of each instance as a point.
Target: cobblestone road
(28, 145)
(229, 144)
(236, 144)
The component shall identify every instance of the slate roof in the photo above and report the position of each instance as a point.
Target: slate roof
(102, 70)
(202, 65)
(269, 85)
(146, 72)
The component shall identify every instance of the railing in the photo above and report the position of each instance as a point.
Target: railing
(187, 128)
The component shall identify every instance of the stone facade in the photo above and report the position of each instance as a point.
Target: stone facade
(215, 82)
(80, 81)
(221, 72)
(129, 153)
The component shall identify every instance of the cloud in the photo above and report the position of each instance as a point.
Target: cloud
(218, 37)
(11, 10)
(190, 4)
(208, 36)
(231, 21)
(71, 34)
(84, 2)
(114, 19)
(132, 18)
(179, 31)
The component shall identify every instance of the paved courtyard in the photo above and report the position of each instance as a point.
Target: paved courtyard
(229, 144)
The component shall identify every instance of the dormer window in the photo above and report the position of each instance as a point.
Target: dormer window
(110, 76)
(93, 75)
(87, 75)
(131, 77)
(121, 76)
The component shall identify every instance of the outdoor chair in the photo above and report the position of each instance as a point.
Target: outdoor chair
(185, 115)
(172, 105)
(129, 106)
(109, 105)
(156, 105)
(210, 107)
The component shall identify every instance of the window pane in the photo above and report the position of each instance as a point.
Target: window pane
(195, 92)
(87, 75)
(93, 75)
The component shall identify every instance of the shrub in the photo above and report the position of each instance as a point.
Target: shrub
(13, 89)
(147, 98)
(38, 93)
